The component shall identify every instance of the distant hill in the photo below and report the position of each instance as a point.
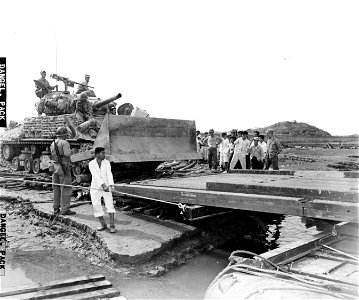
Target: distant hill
(294, 128)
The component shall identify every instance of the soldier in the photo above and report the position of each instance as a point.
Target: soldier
(44, 88)
(83, 87)
(62, 172)
(83, 109)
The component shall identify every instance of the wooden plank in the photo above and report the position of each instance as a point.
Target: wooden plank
(251, 202)
(268, 172)
(296, 250)
(53, 284)
(332, 210)
(94, 295)
(351, 174)
(62, 291)
(282, 191)
(263, 203)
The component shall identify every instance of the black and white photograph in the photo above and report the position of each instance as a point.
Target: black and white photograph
(179, 149)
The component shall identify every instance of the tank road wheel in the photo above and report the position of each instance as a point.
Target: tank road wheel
(28, 165)
(8, 152)
(36, 166)
(16, 164)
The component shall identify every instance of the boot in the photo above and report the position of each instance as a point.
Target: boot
(103, 224)
(112, 223)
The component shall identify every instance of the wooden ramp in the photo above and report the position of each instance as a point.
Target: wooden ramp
(321, 195)
(85, 287)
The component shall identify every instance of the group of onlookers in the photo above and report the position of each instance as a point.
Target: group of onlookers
(236, 151)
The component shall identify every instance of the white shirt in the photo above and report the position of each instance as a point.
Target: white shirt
(264, 146)
(245, 146)
(101, 175)
(238, 145)
(225, 146)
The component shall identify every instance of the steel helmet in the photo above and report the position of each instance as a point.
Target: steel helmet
(83, 95)
(61, 131)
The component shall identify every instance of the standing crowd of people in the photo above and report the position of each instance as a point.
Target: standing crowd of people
(234, 150)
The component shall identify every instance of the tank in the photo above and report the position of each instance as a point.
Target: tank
(133, 144)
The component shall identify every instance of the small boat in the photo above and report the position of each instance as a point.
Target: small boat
(324, 267)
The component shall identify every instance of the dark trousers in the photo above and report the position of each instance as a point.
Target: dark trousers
(212, 155)
(256, 164)
(248, 162)
(272, 161)
(62, 194)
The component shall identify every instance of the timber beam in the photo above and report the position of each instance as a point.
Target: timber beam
(296, 206)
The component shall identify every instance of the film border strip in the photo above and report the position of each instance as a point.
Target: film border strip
(3, 242)
(3, 92)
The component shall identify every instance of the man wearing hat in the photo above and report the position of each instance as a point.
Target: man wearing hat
(62, 172)
(45, 87)
(256, 155)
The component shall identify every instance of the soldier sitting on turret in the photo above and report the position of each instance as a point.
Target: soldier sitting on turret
(43, 87)
(83, 87)
(83, 109)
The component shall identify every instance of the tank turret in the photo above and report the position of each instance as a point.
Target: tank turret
(55, 103)
(101, 107)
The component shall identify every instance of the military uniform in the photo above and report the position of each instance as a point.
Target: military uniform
(62, 194)
(82, 87)
(83, 110)
(41, 92)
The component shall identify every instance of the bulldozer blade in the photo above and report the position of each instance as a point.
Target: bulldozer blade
(134, 139)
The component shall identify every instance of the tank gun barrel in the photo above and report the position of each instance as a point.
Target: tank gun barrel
(101, 103)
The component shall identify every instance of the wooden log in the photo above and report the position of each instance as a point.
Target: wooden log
(191, 165)
(251, 202)
(63, 291)
(53, 284)
(95, 295)
(80, 203)
(283, 191)
(7, 198)
(268, 172)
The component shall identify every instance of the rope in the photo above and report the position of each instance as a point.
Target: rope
(317, 285)
(179, 205)
(341, 252)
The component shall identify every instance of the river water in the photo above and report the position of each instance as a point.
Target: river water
(187, 281)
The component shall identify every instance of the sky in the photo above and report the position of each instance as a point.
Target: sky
(224, 64)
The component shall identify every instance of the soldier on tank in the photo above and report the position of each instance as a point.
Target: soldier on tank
(43, 87)
(83, 87)
(61, 172)
(83, 109)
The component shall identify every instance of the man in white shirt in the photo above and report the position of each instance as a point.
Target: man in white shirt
(263, 144)
(101, 184)
(237, 146)
(224, 149)
(244, 151)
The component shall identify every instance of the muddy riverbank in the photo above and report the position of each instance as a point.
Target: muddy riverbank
(39, 253)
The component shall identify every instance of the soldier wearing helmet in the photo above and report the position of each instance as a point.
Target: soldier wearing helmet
(62, 172)
(83, 109)
(44, 86)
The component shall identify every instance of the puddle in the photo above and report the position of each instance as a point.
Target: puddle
(187, 281)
